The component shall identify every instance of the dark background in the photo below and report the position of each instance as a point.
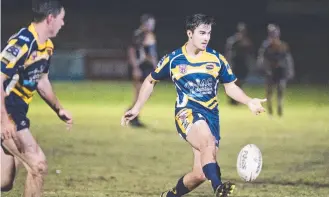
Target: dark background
(108, 24)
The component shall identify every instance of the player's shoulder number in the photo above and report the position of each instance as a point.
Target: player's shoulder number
(11, 52)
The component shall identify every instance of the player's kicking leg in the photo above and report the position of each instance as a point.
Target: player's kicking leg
(202, 139)
(203, 142)
(189, 181)
(33, 159)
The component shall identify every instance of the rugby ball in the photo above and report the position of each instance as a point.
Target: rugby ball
(249, 163)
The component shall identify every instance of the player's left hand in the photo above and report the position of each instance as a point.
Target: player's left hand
(128, 116)
(66, 117)
(255, 105)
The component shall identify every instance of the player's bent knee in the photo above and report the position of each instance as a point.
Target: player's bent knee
(199, 177)
(40, 168)
(208, 144)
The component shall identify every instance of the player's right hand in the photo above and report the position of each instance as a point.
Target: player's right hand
(8, 129)
(66, 116)
(137, 74)
(128, 116)
(255, 105)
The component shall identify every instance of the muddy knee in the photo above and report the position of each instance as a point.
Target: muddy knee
(39, 168)
(199, 176)
(208, 144)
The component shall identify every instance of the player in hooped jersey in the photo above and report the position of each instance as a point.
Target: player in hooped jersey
(197, 72)
(25, 65)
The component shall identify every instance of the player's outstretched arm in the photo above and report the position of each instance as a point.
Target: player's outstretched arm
(46, 92)
(144, 94)
(236, 93)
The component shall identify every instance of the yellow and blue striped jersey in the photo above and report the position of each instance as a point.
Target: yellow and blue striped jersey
(196, 79)
(26, 59)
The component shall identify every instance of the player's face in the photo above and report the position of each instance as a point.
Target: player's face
(201, 36)
(56, 23)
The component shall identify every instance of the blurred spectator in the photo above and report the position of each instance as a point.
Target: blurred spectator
(142, 56)
(238, 51)
(276, 63)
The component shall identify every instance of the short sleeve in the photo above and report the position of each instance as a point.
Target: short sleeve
(163, 69)
(12, 56)
(225, 73)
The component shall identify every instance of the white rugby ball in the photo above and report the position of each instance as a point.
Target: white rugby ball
(249, 162)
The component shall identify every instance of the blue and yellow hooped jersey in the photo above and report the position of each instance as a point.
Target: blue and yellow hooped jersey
(196, 79)
(25, 59)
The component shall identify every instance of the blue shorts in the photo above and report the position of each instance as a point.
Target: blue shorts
(17, 111)
(186, 117)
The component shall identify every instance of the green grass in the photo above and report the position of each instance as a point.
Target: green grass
(101, 158)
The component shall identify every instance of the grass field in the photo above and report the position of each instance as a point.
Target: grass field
(100, 158)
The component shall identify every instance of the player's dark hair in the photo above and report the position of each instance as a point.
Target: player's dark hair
(43, 8)
(192, 22)
(146, 17)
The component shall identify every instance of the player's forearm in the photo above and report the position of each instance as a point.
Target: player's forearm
(46, 92)
(236, 93)
(50, 98)
(144, 93)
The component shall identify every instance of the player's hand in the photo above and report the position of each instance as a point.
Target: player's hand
(66, 117)
(128, 116)
(8, 129)
(255, 105)
(137, 73)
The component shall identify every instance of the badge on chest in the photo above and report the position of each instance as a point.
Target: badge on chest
(37, 56)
